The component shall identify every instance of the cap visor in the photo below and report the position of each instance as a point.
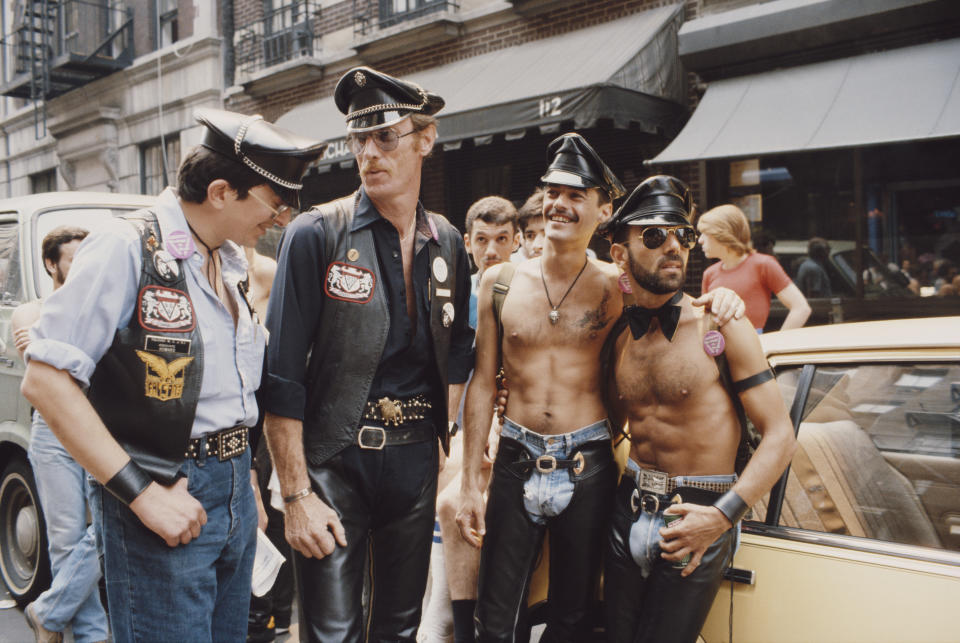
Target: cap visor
(559, 177)
(376, 120)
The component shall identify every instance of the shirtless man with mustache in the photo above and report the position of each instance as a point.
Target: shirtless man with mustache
(555, 466)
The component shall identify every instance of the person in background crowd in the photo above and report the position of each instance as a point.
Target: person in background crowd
(812, 278)
(531, 222)
(662, 379)
(73, 599)
(173, 357)
(270, 614)
(725, 235)
(369, 350)
(491, 237)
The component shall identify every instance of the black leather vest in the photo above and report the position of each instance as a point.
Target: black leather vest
(353, 330)
(147, 385)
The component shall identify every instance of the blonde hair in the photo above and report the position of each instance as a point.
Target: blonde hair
(729, 226)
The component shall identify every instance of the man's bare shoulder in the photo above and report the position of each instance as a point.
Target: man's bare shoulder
(606, 267)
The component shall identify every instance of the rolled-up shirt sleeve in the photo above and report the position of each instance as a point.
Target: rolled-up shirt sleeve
(293, 313)
(460, 360)
(80, 319)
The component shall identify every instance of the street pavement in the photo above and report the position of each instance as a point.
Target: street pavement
(14, 628)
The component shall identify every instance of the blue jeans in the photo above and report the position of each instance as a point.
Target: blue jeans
(73, 598)
(194, 592)
(546, 495)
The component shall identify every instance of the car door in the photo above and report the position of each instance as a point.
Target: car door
(860, 540)
(11, 296)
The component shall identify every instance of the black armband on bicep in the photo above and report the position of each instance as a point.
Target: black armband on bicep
(757, 379)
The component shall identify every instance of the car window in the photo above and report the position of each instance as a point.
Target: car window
(88, 218)
(11, 293)
(878, 453)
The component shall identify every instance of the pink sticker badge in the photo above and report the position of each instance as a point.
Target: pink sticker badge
(624, 283)
(433, 229)
(179, 243)
(713, 343)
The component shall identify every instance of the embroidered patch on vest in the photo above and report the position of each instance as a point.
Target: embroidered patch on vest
(165, 309)
(164, 380)
(349, 283)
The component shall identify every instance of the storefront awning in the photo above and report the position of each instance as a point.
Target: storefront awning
(625, 70)
(906, 94)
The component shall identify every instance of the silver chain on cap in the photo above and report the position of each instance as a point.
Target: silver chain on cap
(238, 139)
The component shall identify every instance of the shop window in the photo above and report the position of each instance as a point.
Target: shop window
(158, 166)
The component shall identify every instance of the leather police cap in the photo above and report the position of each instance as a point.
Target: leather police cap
(371, 99)
(574, 163)
(277, 154)
(659, 200)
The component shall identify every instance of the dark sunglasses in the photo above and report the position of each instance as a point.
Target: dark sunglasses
(655, 236)
(386, 139)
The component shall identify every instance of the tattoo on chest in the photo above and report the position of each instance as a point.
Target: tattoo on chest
(596, 319)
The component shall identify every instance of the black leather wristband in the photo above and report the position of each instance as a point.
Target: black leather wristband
(128, 483)
(732, 506)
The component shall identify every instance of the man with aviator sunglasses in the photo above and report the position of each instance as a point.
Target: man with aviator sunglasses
(684, 423)
(368, 317)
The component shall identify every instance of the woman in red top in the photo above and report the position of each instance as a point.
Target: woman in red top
(725, 235)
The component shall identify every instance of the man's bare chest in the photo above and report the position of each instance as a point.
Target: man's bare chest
(655, 372)
(584, 317)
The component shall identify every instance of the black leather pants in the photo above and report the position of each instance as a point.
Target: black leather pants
(386, 501)
(661, 607)
(512, 543)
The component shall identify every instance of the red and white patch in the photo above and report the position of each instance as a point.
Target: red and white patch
(349, 283)
(165, 309)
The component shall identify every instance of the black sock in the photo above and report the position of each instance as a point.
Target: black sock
(463, 621)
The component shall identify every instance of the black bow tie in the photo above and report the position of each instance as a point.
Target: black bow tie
(668, 314)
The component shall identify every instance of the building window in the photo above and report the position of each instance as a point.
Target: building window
(167, 25)
(393, 11)
(45, 181)
(158, 170)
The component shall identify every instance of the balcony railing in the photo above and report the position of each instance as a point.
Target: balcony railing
(370, 16)
(60, 45)
(281, 35)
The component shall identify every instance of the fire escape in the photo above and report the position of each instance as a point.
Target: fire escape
(59, 45)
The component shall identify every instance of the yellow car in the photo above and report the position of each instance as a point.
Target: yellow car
(860, 540)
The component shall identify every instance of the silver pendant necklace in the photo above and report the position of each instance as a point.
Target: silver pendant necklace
(554, 314)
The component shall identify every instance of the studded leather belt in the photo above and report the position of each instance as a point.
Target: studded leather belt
(224, 444)
(660, 482)
(397, 411)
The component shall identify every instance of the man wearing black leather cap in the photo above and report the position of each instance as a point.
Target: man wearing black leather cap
(554, 468)
(684, 419)
(154, 318)
(369, 339)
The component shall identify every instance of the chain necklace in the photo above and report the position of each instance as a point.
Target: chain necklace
(555, 310)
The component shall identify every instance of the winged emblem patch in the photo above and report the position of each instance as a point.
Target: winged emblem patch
(164, 380)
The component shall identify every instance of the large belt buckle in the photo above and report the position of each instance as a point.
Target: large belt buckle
(390, 411)
(653, 481)
(546, 464)
(231, 443)
(379, 430)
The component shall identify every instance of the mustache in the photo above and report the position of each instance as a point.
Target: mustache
(569, 215)
(675, 257)
(369, 166)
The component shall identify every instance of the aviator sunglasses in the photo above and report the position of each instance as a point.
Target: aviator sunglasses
(655, 236)
(277, 213)
(386, 139)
